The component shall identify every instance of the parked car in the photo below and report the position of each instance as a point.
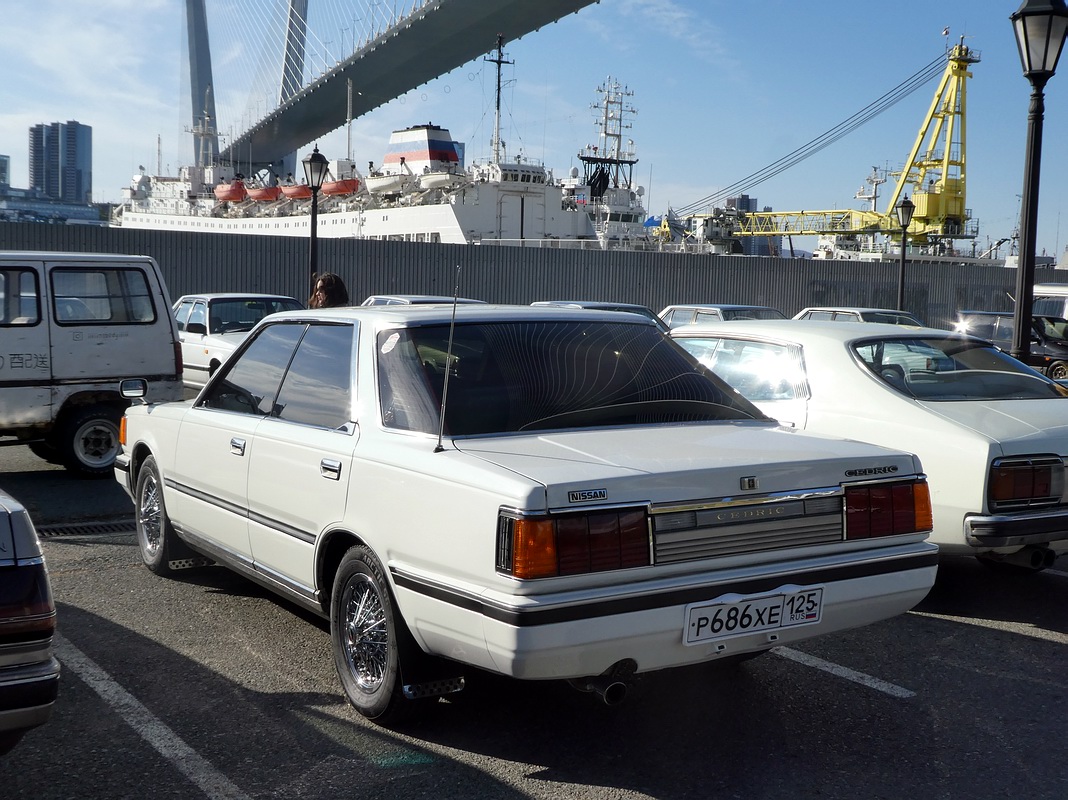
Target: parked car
(850, 314)
(675, 316)
(990, 432)
(211, 326)
(537, 492)
(606, 305)
(1048, 344)
(29, 672)
(414, 299)
(1050, 299)
(72, 326)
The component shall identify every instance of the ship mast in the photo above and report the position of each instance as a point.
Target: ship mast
(609, 163)
(499, 60)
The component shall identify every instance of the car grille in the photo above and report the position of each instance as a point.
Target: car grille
(731, 528)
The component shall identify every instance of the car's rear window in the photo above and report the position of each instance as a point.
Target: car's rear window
(953, 368)
(501, 377)
(241, 314)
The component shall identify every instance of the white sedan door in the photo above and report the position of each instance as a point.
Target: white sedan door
(299, 475)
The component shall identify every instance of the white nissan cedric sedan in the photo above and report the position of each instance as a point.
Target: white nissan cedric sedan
(538, 492)
(992, 433)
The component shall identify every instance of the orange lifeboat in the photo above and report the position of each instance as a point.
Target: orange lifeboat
(345, 186)
(231, 192)
(264, 192)
(296, 191)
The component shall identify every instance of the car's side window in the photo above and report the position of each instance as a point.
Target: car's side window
(317, 389)
(820, 315)
(104, 296)
(761, 371)
(199, 314)
(250, 383)
(181, 316)
(707, 316)
(19, 303)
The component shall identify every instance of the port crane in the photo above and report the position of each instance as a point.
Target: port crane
(934, 174)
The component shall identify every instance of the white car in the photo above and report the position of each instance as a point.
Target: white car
(543, 493)
(676, 316)
(211, 326)
(890, 316)
(992, 433)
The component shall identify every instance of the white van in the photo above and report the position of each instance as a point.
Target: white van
(1051, 300)
(72, 326)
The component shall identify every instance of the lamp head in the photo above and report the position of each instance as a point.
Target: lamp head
(1040, 27)
(315, 169)
(905, 209)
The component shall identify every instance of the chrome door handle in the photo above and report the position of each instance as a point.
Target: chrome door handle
(329, 468)
(237, 446)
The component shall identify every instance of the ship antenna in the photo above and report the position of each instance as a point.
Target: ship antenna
(499, 60)
(448, 362)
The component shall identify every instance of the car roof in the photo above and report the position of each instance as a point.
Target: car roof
(727, 306)
(442, 313)
(804, 331)
(856, 310)
(413, 299)
(234, 296)
(608, 304)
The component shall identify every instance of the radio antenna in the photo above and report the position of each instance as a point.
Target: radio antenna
(448, 362)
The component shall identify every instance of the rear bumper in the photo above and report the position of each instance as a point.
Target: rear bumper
(561, 637)
(1037, 527)
(27, 694)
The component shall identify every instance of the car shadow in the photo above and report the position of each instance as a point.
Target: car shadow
(305, 743)
(968, 589)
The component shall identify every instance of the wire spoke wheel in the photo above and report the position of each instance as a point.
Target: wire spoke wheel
(150, 515)
(366, 637)
(364, 631)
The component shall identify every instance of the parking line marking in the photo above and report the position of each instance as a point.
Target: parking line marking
(171, 746)
(844, 672)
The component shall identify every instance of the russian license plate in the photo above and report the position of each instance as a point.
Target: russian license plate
(734, 615)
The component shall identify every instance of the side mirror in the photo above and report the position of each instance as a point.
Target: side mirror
(196, 327)
(133, 388)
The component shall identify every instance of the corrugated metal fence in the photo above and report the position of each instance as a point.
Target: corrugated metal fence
(199, 262)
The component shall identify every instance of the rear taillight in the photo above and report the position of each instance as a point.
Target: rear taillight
(179, 365)
(887, 509)
(1023, 482)
(572, 544)
(27, 611)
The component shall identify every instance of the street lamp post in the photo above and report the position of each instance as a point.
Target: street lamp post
(905, 210)
(1040, 27)
(315, 168)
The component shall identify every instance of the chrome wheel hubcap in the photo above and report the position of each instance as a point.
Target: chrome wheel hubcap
(366, 640)
(150, 516)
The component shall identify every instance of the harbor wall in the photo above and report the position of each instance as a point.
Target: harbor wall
(199, 262)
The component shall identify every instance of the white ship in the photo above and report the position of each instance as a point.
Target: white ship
(422, 191)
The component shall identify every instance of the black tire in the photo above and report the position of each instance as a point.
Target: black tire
(89, 440)
(156, 539)
(364, 634)
(1057, 371)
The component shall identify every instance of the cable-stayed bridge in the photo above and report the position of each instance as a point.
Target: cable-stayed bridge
(388, 47)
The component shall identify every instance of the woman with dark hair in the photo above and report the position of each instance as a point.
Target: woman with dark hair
(329, 292)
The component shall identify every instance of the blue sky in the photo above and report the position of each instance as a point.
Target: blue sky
(721, 89)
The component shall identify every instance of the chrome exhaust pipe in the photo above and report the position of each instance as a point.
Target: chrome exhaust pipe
(612, 691)
(612, 685)
(1033, 557)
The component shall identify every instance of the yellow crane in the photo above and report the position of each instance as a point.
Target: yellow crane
(934, 173)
